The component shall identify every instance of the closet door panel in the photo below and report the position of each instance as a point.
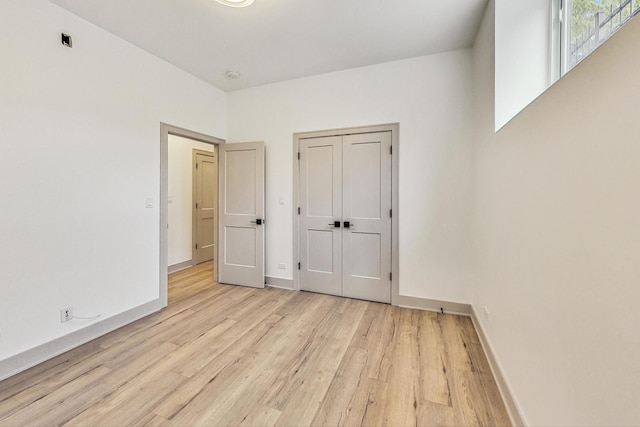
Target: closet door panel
(320, 208)
(366, 198)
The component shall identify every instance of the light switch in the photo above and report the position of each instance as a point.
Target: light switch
(149, 202)
(281, 200)
(170, 199)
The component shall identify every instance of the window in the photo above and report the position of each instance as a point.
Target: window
(586, 24)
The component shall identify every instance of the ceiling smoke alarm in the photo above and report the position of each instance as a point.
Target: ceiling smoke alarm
(233, 74)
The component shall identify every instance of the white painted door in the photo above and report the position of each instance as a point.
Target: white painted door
(241, 214)
(321, 215)
(345, 215)
(366, 195)
(205, 170)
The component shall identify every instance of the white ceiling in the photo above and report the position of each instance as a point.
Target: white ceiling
(278, 40)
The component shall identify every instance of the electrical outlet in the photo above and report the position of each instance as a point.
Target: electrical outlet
(486, 312)
(66, 314)
(282, 266)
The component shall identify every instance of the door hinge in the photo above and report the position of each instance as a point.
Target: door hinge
(391, 149)
(391, 276)
(298, 155)
(196, 246)
(299, 266)
(196, 166)
(390, 213)
(196, 206)
(298, 210)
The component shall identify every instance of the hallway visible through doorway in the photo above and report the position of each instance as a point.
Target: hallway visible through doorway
(186, 283)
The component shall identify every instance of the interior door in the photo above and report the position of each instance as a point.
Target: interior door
(241, 217)
(205, 204)
(366, 210)
(321, 215)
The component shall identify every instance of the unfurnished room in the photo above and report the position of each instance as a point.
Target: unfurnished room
(319, 213)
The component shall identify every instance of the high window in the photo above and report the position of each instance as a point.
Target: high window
(586, 24)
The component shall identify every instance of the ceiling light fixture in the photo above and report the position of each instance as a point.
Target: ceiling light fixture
(233, 74)
(236, 3)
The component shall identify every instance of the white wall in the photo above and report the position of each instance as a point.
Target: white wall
(557, 238)
(431, 99)
(521, 55)
(80, 138)
(180, 211)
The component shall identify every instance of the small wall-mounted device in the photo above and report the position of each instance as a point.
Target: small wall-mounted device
(66, 40)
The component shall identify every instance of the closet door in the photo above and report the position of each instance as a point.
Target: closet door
(366, 211)
(320, 211)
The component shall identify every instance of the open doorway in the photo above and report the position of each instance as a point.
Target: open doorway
(188, 200)
(191, 199)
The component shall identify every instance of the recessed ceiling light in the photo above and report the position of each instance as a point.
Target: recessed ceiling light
(236, 3)
(233, 74)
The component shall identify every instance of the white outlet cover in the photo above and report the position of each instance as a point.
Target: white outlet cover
(63, 317)
(282, 266)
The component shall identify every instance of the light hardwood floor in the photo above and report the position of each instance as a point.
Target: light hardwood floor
(233, 356)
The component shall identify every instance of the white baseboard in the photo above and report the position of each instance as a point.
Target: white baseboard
(32, 357)
(180, 266)
(434, 305)
(278, 282)
(513, 407)
(29, 358)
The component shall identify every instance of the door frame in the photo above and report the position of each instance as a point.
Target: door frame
(394, 128)
(194, 211)
(165, 131)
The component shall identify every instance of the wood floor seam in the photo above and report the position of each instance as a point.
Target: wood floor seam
(222, 355)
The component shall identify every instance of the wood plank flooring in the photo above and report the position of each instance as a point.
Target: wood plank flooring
(231, 356)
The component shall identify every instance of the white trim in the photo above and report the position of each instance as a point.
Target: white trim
(556, 39)
(180, 266)
(34, 356)
(279, 282)
(508, 396)
(394, 128)
(450, 307)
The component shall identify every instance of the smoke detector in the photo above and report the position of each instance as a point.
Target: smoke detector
(233, 74)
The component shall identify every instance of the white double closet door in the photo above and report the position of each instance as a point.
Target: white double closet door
(345, 216)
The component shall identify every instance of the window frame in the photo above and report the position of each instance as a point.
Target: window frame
(560, 48)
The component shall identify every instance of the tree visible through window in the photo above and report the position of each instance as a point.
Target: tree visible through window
(591, 22)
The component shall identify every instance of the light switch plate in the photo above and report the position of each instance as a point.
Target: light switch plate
(149, 202)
